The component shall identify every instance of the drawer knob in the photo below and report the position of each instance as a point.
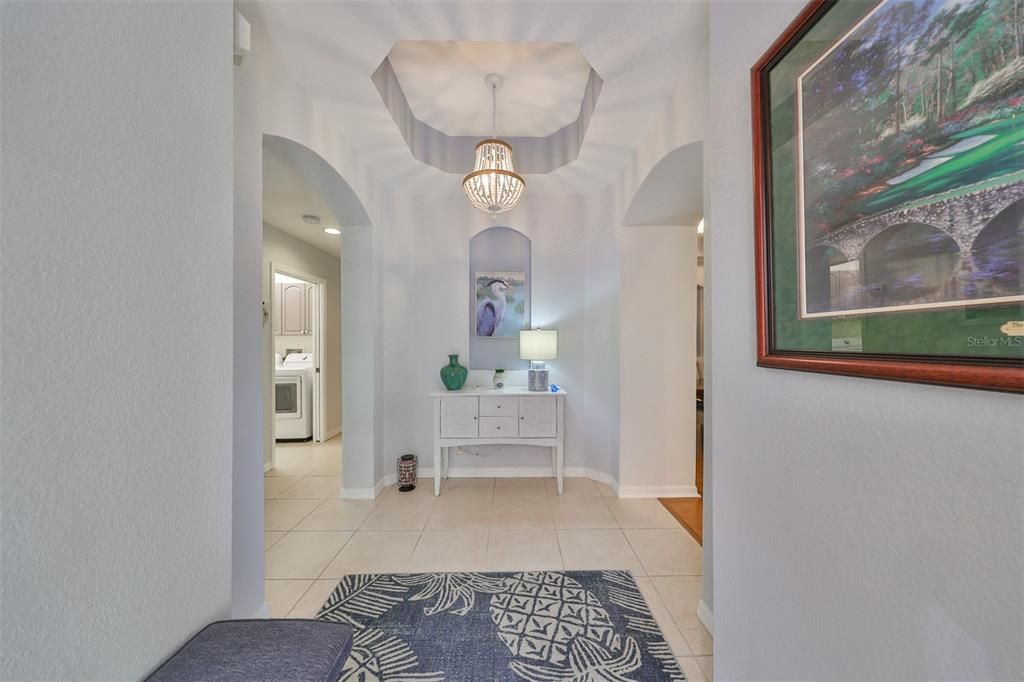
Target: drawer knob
(522, 418)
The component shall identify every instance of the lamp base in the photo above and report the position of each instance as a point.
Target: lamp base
(539, 380)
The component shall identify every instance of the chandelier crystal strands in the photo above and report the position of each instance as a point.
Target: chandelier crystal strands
(494, 186)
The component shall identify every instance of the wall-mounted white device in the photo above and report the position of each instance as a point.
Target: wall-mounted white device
(243, 39)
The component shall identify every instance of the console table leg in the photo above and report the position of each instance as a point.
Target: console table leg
(437, 447)
(560, 443)
(559, 465)
(438, 456)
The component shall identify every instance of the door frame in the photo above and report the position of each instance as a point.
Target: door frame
(319, 343)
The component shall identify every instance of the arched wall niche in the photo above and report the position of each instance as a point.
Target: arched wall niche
(498, 253)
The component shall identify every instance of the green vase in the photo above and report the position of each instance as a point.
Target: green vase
(453, 375)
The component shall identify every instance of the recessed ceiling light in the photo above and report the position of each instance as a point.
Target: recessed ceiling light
(311, 219)
(332, 230)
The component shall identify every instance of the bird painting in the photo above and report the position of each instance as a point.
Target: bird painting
(500, 303)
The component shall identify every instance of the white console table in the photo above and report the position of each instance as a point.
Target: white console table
(509, 416)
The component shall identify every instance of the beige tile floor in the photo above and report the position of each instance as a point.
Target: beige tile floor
(313, 538)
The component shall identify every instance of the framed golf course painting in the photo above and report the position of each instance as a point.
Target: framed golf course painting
(889, 192)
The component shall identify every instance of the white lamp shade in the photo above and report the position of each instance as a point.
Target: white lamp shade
(538, 344)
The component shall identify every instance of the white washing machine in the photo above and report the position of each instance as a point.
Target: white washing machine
(293, 398)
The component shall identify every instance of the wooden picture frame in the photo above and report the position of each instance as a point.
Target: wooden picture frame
(991, 373)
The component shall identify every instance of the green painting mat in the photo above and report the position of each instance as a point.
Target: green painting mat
(969, 332)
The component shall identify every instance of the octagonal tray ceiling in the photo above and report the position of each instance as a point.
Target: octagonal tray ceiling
(537, 104)
(337, 54)
(443, 82)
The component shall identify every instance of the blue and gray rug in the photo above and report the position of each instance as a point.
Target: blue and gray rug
(540, 626)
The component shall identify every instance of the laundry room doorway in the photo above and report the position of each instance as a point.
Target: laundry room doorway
(297, 314)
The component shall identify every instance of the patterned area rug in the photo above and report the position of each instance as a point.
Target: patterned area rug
(540, 626)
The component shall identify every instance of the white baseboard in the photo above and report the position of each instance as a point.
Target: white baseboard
(359, 493)
(594, 475)
(491, 472)
(705, 616)
(332, 433)
(496, 472)
(658, 491)
(368, 493)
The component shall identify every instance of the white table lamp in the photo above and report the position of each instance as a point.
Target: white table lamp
(538, 345)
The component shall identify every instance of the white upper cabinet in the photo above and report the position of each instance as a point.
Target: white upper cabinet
(293, 308)
(310, 301)
(276, 309)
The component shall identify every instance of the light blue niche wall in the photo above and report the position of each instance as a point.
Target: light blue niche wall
(497, 249)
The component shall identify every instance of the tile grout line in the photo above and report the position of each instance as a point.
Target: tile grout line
(419, 538)
(670, 615)
(299, 601)
(351, 534)
(489, 529)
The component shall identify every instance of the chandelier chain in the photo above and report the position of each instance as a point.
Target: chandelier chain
(494, 109)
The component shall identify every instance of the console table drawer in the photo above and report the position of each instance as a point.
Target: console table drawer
(498, 427)
(499, 407)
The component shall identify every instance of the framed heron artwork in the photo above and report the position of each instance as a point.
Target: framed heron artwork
(500, 304)
(889, 192)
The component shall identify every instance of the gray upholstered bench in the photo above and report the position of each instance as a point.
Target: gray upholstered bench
(247, 650)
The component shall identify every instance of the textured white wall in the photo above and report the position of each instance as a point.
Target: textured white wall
(269, 102)
(284, 250)
(863, 529)
(115, 434)
(252, 433)
(658, 361)
(682, 123)
(600, 403)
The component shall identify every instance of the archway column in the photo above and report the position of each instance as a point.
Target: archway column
(658, 361)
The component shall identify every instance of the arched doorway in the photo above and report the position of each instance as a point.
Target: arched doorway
(316, 474)
(661, 277)
(318, 184)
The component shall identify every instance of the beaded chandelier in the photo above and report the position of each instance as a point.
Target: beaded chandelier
(494, 186)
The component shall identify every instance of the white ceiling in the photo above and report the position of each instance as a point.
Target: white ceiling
(443, 81)
(287, 197)
(331, 49)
